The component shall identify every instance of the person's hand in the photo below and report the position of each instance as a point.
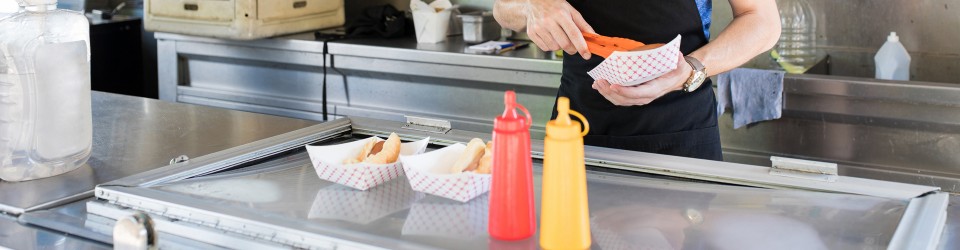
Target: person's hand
(554, 24)
(644, 93)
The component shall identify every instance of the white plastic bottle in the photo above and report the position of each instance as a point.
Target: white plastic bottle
(797, 49)
(893, 62)
(45, 114)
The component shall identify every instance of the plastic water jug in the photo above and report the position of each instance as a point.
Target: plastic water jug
(45, 116)
(512, 214)
(892, 60)
(797, 49)
(564, 212)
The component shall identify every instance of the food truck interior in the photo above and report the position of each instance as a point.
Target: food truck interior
(205, 114)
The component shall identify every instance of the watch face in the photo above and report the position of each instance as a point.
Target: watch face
(697, 80)
(698, 77)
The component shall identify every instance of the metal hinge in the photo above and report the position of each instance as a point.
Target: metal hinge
(805, 169)
(427, 124)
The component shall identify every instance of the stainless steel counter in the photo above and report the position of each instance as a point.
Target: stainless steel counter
(131, 135)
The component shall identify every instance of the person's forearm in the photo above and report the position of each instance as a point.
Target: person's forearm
(511, 14)
(754, 30)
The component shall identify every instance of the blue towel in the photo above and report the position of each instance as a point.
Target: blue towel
(755, 95)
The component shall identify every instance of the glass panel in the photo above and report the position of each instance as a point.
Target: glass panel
(626, 211)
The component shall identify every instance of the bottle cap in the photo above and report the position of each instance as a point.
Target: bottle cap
(510, 120)
(893, 37)
(563, 127)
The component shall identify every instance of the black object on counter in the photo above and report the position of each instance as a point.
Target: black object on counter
(383, 21)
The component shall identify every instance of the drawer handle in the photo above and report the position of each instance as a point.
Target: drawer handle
(191, 6)
(299, 4)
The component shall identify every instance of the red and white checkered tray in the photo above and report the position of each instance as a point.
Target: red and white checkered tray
(446, 218)
(430, 173)
(630, 68)
(338, 202)
(328, 161)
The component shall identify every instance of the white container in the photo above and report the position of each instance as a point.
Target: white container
(479, 26)
(893, 61)
(241, 19)
(45, 116)
(431, 22)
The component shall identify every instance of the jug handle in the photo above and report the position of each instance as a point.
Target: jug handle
(583, 120)
(527, 113)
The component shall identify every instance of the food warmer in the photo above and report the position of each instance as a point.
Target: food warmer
(266, 195)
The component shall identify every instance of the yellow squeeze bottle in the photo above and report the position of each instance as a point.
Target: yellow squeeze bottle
(564, 212)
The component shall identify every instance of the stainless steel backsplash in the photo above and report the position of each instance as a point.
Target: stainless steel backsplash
(851, 32)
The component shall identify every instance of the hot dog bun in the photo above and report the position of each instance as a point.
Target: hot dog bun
(362, 155)
(470, 157)
(486, 162)
(388, 154)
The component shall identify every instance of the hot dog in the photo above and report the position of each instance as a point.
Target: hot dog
(470, 157)
(486, 162)
(389, 152)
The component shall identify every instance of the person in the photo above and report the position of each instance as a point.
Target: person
(674, 114)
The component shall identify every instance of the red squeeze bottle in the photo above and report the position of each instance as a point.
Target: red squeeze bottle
(512, 215)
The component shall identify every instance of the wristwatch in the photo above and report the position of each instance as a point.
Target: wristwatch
(698, 75)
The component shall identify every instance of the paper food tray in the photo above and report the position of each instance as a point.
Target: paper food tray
(343, 203)
(434, 216)
(630, 68)
(328, 161)
(430, 173)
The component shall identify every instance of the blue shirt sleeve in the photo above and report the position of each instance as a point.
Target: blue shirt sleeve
(705, 7)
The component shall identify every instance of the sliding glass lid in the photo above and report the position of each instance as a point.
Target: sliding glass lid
(625, 210)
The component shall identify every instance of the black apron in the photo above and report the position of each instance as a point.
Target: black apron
(678, 123)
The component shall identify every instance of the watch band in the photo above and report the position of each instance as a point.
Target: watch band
(695, 63)
(697, 77)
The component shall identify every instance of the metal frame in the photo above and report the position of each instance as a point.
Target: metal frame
(920, 227)
(922, 223)
(249, 224)
(110, 213)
